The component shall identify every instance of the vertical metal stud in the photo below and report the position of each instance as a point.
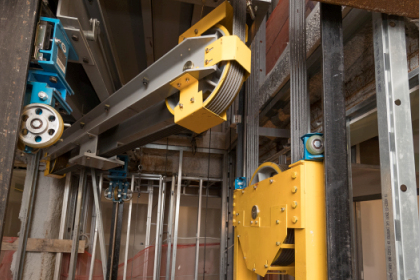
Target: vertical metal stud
(398, 177)
(223, 219)
(178, 200)
(170, 225)
(158, 225)
(160, 238)
(336, 173)
(127, 240)
(59, 256)
(76, 229)
(148, 227)
(197, 237)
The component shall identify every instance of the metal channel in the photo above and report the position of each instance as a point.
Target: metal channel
(31, 183)
(148, 227)
(351, 203)
(336, 170)
(99, 221)
(16, 43)
(359, 241)
(176, 225)
(197, 242)
(398, 177)
(158, 221)
(127, 240)
(62, 230)
(223, 219)
(299, 97)
(135, 96)
(170, 225)
(76, 229)
(160, 239)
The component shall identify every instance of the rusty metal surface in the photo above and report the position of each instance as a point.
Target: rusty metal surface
(406, 8)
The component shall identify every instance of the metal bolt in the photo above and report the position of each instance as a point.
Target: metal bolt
(187, 80)
(256, 222)
(237, 214)
(181, 105)
(192, 100)
(75, 38)
(277, 222)
(294, 204)
(255, 187)
(145, 81)
(266, 265)
(82, 124)
(294, 175)
(271, 181)
(392, 24)
(252, 222)
(238, 236)
(36, 123)
(243, 192)
(42, 95)
(239, 222)
(107, 107)
(85, 60)
(294, 189)
(196, 31)
(282, 209)
(244, 258)
(178, 84)
(295, 219)
(254, 269)
(278, 243)
(53, 79)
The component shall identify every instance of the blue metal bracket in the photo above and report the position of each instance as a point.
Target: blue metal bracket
(240, 183)
(315, 145)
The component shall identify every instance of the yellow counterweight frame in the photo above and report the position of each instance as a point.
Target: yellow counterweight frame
(293, 199)
(191, 111)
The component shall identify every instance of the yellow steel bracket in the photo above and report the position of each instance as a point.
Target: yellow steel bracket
(50, 166)
(263, 213)
(228, 48)
(222, 14)
(190, 112)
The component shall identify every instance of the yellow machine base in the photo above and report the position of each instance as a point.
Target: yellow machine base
(293, 199)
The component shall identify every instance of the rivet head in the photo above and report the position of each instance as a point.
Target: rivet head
(266, 265)
(254, 269)
(187, 80)
(256, 222)
(278, 243)
(238, 236)
(294, 175)
(237, 214)
(255, 187)
(294, 204)
(196, 31)
(239, 222)
(178, 84)
(282, 209)
(252, 222)
(271, 181)
(181, 105)
(243, 192)
(192, 100)
(277, 222)
(295, 219)
(294, 189)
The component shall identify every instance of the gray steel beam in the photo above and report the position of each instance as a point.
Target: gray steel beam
(299, 97)
(76, 229)
(18, 21)
(274, 132)
(335, 161)
(62, 230)
(398, 175)
(170, 225)
(31, 183)
(176, 224)
(139, 94)
(197, 236)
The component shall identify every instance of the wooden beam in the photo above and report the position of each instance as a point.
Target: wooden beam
(44, 245)
(406, 8)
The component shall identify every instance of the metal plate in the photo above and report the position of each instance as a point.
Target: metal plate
(93, 161)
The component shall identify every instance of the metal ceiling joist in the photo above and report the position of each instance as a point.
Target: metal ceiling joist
(406, 8)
